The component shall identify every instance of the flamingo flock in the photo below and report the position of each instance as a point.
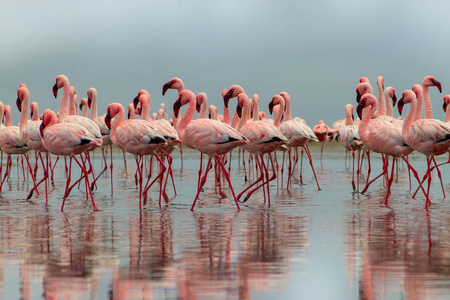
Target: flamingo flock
(154, 137)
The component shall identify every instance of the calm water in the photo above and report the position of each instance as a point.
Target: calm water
(309, 244)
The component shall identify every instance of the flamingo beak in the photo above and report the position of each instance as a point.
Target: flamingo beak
(166, 86)
(81, 106)
(136, 101)
(19, 104)
(239, 111)
(198, 107)
(55, 90)
(41, 128)
(360, 108)
(108, 120)
(89, 102)
(394, 100)
(226, 98)
(400, 105)
(271, 107)
(438, 85)
(358, 97)
(444, 107)
(176, 107)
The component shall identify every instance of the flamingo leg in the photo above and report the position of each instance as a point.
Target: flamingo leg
(203, 180)
(227, 176)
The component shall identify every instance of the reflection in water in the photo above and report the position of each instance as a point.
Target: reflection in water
(404, 251)
(216, 252)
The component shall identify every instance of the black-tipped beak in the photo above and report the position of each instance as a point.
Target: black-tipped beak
(360, 108)
(239, 111)
(400, 105)
(271, 107)
(438, 85)
(81, 106)
(394, 100)
(444, 107)
(89, 102)
(41, 129)
(358, 97)
(108, 120)
(136, 101)
(227, 97)
(198, 107)
(55, 90)
(19, 104)
(166, 86)
(176, 107)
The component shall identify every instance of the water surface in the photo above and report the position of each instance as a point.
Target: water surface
(309, 244)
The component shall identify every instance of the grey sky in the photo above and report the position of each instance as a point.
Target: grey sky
(315, 50)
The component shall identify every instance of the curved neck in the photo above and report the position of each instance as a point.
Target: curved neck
(65, 98)
(202, 114)
(427, 103)
(245, 114)
(287, 112)
(117, 120)
(410, 118)
(25, 109)
(145, 107)
(186, 118)
(364, 123)
(348, 115)
(279, 114)
(73, 108)
(418, 106)
(8, 121)
(94, 113)
(35, 111)
(226, 115)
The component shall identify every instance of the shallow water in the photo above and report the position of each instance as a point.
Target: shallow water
(309, 244)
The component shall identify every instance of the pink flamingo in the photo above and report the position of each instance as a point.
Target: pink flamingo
(134, 136)
(428, 136)
(84, 106)
(168, 132)
(211, 137)
(68, 139)
(349, 136)
(321, 130)
(104, 131)
(382, 137)
(262, 138)
(11, 143)
(297, 132)
(30, 133)
(202, 105)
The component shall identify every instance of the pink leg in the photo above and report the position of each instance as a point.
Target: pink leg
(202, 182)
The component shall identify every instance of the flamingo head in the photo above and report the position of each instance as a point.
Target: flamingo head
(111, 111)
(174, 83)
(48, 118)
(366, 100)
(431, 81)
(61, 80)
(184, 97)
(446, 102)
(232, 92)
(407, 97)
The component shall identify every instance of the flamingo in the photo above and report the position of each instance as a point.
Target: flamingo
(211, 137)
(262, 138)
(428, 136)
(349, 136)
(382, 137)
(168, 132)
(202, 105)
(104, 131)
(11, 143)
(30, 133)
(134, 136)
(68, 139)
(296, 131)
(321, 130)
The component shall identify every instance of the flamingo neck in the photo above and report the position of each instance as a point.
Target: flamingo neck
(381, 100)
(145, 109)
(363, 129)
(447, 113)
(279, 114)
(245, 114)
(226, 115)
(256, 110)
(25, 111)
(348, 116)
(202, 114)
(287, 112)
(235, 120)
(388, 104)
(117, 120)
(186, 118)
(8, 121)
(64, 104)
(418, 106)
(427, 103)
(35, 111)
(94, 112)
(410, 118)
